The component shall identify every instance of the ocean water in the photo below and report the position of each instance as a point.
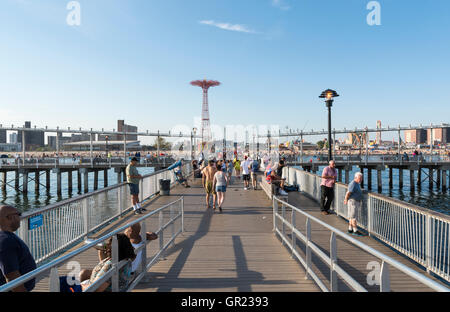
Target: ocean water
(424, 197)
(33, 200)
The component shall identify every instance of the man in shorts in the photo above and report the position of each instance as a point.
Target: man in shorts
(133, 177)
(207, 182)
(354, 198)
(246, 172)
(254, 172)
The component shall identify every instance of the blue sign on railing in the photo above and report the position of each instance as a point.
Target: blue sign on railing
(35, 222)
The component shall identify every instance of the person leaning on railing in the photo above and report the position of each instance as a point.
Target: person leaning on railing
(133, 233)
(15, 257)
(126, 251)
(354, 198)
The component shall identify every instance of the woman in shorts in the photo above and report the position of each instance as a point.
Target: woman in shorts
(220, 183)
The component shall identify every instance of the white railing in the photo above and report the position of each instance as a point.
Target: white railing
(286, 223)
(61, 224)
(169, 228)
(420, 234)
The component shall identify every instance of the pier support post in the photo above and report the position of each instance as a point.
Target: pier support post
(58, 182)
(4, 181)
(86, 180)
(95, 180)
(430, 178)
(400, 178)
(79, 180)
(124, 175)
(105, 178)
(347, 176)
(419, 178)
(390, 178)
(379, 182)
(25, 182)
(16, 181)
(47, 180)
(369, 178)
(340, 174)
(69, 180)
(362, 181)
(444, 181)
(438, 179)
(411, 180)
(36, 182)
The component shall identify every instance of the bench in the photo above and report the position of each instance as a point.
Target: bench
(268, 188)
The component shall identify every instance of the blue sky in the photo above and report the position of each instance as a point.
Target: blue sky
(134, 60)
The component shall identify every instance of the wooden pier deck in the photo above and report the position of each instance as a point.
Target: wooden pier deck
(237, 251)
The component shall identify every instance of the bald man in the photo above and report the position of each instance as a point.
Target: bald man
(15, 257)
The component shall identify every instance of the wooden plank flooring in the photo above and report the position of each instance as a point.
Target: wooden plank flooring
(237, 251)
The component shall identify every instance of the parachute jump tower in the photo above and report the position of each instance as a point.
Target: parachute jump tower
(206, 127)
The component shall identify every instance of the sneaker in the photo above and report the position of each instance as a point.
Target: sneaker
(350, 231)
(282, 192)
(325, 213)
(358, 233)
(245, 188)
(136, 212)
(143, 209)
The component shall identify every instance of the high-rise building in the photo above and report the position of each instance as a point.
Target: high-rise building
(122, 127)
(417, 136)
(2, 136)
(441, 135)
(33, 139)
(378, 132)
(13, 138)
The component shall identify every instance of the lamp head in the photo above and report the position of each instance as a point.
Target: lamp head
(328, 94)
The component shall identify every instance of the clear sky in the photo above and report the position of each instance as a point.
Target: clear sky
(134, 60)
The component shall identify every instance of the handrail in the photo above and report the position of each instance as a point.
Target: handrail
(418, 233)
(57, 262)
(386, 259)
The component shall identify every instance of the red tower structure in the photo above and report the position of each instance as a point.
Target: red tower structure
(206, 127)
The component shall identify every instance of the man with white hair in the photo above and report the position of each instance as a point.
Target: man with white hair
(354, 199)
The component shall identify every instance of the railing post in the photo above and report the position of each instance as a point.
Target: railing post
(283, 225)
(119, 201)
(275, 212)
(182, 214)
(172, 224)
(429, 245)
(293, 233)
(86, 217)
(308, 250)
(141, 190)
(144, 250)
(369, 214)
(54, 280)
(333, 262)
(115, 262)
(161, 234)
(385, 280)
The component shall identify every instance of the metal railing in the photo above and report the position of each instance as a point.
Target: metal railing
(291, 227)
(167, 220)
(418, 233)
(52, 229)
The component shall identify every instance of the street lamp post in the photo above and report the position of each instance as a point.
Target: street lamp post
(329, 95)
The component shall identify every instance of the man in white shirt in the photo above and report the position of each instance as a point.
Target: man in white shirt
(246, 172)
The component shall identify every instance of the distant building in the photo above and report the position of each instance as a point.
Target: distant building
(81, 137)
(417, 136)
(356, 138)
(378, 140)
(2, 136)
(10, 147)
(101, 146)
(51, 140)
(441, 135)
(13, 138)
(122, 127)
(33, 139)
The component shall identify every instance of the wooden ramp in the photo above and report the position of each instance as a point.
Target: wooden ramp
(236, 250)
